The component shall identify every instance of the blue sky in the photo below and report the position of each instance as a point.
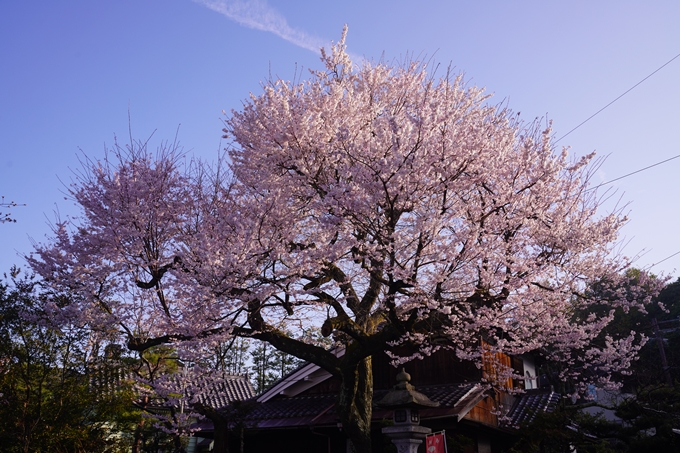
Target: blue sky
(72, 70)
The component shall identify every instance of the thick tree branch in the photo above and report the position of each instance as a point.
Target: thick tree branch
(314, 354)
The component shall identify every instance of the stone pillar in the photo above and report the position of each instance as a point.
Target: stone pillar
(406, 438)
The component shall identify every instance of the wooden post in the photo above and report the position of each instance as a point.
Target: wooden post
(662, 352)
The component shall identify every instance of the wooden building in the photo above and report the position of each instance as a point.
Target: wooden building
(298, 412)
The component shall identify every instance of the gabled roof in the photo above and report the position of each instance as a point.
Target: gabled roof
(297, 381)
(280, 411)
(285, 404)
(288, 404)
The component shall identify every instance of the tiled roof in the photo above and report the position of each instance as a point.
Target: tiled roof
(229, 388)
(447, 395)
(319, 409)
(295, 411)
(108, 378)
(531, 403)
(455, 400)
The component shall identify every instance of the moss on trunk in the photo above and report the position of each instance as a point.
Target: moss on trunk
(355, 404)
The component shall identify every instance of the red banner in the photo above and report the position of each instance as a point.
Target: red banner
(435, 443)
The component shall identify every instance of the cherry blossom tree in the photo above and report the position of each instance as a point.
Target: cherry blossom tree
(397, 210)
(6, 216)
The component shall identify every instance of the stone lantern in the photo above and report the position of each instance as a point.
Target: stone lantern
(406, 434)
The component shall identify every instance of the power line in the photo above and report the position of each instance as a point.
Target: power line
(599, 111)
(641, 169)
(626, 92)
(634, 172)
(667, 258)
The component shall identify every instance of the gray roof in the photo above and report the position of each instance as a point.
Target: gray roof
(319, 409)
(531, 403)
(229, 388)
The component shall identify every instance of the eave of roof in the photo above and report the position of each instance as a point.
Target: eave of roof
(456, 400)
(299, 380)
(528, 405)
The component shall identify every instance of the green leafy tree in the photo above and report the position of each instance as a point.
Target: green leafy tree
(48, 400)
(659, 359)
(270, 364)
(232, 356)
(565, 430)
(649, 408)
(264, 366)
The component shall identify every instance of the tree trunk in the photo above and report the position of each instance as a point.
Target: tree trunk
(176, 438)
(177, 441)
(355, 404)
(137, 444)
(220, 427)
(221, 433)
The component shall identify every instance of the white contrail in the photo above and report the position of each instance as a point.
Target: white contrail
(259, 15)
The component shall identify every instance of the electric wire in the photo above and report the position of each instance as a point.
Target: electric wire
(667, 258)
(599, 111)
(622, 95)
(641, 169)
(633, 172)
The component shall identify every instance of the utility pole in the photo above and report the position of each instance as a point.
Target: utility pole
(662, 352)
